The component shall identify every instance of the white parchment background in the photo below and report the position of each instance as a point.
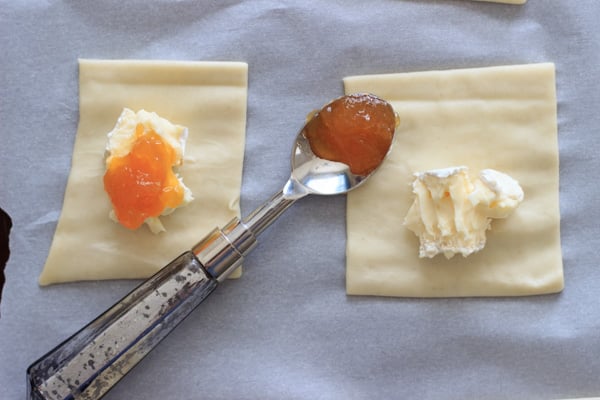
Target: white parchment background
(287, 329)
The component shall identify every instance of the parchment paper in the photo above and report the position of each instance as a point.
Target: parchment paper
(286, 329)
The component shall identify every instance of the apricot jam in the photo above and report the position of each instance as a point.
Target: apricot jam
(356, 130)
(142, 183)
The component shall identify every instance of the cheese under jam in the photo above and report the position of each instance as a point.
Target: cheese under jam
(142, 154)
(452, 212)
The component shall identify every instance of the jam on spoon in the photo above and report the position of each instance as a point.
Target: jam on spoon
(356, 130)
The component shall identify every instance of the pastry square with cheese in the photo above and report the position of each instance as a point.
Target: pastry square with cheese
(209, 98)
(504, 118)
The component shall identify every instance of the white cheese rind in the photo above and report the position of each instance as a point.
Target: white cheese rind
(122, 137)
(498, 195)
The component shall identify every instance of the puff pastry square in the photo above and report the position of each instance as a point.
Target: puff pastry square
(210, 99)
(503, 118)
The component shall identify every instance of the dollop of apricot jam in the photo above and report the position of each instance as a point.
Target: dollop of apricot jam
(356, 130)
(142, 184)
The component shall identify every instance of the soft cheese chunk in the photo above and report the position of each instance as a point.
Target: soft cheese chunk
(122, 137)
(122, 140)
(451, 212)
(496, 194)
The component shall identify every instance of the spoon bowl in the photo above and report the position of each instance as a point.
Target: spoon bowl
(312, 174)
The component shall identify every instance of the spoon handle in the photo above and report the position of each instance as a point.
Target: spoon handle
(268, 212)
(93, 360)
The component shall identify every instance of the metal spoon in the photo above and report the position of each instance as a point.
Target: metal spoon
(93, 360)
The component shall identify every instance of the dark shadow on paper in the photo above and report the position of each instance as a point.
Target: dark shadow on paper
(5, 225)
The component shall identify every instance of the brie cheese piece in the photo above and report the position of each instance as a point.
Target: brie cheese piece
(122, 138)
(451, 213)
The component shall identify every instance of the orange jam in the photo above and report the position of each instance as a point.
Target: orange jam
(356, 130)
(142, 183)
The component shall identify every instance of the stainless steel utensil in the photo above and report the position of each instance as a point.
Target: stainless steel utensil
(93, 360)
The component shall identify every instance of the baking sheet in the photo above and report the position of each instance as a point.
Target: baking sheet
(287, 328)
